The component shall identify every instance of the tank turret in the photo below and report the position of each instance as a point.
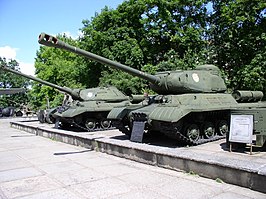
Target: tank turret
(203, 79)
(78, 94)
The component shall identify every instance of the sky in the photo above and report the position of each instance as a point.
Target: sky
(21, 22)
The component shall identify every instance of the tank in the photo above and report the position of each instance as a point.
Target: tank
(192, 106)
(83, 108)
(11, 111)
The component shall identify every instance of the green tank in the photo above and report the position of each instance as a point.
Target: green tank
(192, 106)
(84, 108)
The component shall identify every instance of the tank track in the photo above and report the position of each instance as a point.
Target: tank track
(168, 130)
(174, 134)
(121, 127)
(91, 130)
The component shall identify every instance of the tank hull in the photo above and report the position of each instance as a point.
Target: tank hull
(87, 115)
(189, 118)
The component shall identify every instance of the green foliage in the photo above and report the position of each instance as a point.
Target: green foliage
(141, 33)
(190, 60)
(238, 35)
(253, 75)
(10, 80)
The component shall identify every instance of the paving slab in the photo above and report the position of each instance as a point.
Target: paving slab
(15, 174)
(68, 171)
(28, 186)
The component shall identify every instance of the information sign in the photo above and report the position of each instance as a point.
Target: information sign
(241, 129)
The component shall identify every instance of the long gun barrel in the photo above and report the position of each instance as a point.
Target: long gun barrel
(203, 79)
(52, 41)
(10, 91)
(73, 92)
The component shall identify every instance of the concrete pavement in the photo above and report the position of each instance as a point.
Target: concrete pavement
(37, 167)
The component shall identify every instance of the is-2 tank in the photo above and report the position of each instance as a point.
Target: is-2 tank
(192, 106)
(83, 108)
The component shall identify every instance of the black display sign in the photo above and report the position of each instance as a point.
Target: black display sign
(137, 131)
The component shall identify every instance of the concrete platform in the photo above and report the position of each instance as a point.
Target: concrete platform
(211, 160)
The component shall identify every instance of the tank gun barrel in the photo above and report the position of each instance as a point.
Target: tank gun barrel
(52, 41)
(10, 91)
(72, 92)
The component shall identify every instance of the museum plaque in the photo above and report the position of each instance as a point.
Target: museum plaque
(137, 131)
(241, 129)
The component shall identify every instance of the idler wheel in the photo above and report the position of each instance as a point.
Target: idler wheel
(208, 129)
(90, 124)
(105, 124)
(192, 132)
(222, 127)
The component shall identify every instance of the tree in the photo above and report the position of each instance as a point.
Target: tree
(9, 80)
(159, 35)
(141, 33)
(239, 38)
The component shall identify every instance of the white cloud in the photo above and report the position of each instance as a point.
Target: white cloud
(11, 53)
(27, 68)
(73, 36)
(8, 52)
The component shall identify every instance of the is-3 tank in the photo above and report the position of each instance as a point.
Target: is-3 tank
(192, 106)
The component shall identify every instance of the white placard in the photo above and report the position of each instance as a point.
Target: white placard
(241, 128)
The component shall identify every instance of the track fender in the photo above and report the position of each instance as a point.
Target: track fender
(119, 113)
(168, 114)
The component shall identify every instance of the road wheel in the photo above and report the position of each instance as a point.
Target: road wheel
(90, 124)
(105, 124)
(208, 129)
(222, 127)
(192, 131)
